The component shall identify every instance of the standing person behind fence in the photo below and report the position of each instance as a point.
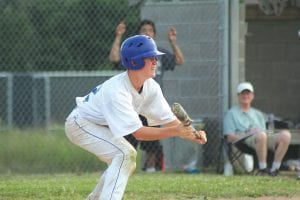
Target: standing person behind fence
(244, 118)
(111, 111)
(166, 62)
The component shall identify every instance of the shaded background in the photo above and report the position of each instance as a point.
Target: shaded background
(53, 51)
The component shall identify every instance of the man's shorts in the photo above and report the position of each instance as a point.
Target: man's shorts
(271, 141)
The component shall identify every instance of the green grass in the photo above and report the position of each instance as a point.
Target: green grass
(149, 186)
(66, 172)
(39, 151)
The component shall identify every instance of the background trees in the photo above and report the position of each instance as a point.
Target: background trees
(49, 35)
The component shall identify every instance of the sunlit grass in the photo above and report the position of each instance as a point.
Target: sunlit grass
(144, 186)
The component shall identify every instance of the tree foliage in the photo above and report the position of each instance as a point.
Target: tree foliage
(55, 35)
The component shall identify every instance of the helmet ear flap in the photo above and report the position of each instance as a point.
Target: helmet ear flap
(136, 63)
(133, 63)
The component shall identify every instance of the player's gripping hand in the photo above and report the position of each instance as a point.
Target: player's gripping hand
(189, 133)
(201, 137)
(185, 132)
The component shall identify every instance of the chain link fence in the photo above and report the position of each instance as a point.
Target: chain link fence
(53, 51)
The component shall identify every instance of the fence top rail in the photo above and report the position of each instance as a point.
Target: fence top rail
(64, 73)
(180, 2)
(5, 74)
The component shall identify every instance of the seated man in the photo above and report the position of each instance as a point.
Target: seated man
(242, 119)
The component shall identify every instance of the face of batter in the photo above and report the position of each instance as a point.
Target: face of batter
(138, 77)
(150, 67)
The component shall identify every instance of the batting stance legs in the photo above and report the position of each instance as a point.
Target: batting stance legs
(119, 154)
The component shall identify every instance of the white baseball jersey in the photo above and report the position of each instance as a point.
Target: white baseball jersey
(117, 104)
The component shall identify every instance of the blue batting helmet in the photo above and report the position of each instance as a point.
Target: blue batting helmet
(134, 49)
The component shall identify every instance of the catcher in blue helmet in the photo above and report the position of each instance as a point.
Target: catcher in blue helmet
(111, 111)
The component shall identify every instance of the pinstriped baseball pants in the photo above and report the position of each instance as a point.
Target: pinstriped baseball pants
(119, 155)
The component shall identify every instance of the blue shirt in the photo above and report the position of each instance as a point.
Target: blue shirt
(237, 121)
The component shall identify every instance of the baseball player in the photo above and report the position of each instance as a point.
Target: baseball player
(167, 62)
(111, 110)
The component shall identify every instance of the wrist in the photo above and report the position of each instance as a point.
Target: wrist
(173, 43)
(118, 37)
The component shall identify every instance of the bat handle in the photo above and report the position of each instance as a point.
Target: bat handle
(196, 133)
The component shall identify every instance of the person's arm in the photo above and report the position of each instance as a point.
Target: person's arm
(172, 129)
(172, 35)
(114, 55)
(248, 133)
(229, 127)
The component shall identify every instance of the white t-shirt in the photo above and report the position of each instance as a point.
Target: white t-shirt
(117, 104)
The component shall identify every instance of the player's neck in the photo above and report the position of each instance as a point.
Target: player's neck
(136, 80)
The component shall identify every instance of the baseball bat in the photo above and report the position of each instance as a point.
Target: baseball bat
(182, 116)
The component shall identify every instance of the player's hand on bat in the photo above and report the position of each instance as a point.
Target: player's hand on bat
(185, 132)
(189, 133)
(201, 137)
(185, 120)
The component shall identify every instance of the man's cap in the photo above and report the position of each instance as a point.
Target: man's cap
(245, 86)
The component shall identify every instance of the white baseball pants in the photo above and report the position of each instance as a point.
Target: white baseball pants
(119, 155)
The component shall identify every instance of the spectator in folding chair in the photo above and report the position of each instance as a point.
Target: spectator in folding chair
(242, 120)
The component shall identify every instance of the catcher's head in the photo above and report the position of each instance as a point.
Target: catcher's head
(135, 49)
